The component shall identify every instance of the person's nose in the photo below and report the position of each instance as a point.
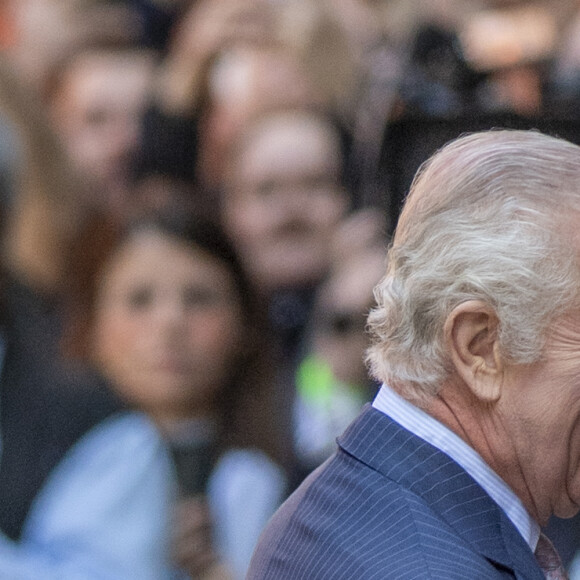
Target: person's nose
(170, 315)
(293, 202)
(125, 136)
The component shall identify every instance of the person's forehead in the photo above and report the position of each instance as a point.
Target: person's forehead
(285, 145)
(94, 72)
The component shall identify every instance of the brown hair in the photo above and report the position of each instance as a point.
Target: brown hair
(246, 400)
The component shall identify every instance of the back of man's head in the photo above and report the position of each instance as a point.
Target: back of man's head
(489, 217)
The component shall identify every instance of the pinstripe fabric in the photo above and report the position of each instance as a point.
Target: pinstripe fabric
(389, 505)
(429, 429)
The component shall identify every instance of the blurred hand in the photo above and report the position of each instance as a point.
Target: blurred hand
(497, 39)
(193, 550)
(205, 31)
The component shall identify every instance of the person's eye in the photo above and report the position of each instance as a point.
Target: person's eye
(194, 296)
(342, 323)
(266, 188)
(96, 117)
(322, 184)
(139, 298)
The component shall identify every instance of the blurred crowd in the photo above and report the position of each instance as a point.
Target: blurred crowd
(195, 201)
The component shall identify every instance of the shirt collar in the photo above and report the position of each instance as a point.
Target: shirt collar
(429, 429)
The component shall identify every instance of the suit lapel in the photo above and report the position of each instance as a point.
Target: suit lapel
(446, 488)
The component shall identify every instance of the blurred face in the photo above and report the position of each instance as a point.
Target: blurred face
(98, 109)
(168, 326)
(342, 307)
(242, 81)
(284, 200)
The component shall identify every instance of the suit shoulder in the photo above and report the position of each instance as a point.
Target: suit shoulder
(348, 521)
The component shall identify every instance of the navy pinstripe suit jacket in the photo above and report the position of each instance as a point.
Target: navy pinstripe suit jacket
(390, 505)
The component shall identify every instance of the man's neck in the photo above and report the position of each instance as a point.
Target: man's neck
(480, 426)
(437, 433)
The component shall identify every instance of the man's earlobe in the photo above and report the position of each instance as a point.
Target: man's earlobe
(471, 334)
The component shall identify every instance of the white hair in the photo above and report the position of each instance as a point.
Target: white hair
(488, 217)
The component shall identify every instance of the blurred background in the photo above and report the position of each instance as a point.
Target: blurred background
(196, 197)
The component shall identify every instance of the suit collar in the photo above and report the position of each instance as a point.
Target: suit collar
(386, 447)
(439, 435)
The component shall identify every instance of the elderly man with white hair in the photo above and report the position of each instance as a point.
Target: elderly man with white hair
(473, 441)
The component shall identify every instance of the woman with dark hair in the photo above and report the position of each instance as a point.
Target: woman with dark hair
(85, 482)
(168, 317)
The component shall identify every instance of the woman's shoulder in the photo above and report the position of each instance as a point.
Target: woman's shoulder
(248, 463)
(245, 473)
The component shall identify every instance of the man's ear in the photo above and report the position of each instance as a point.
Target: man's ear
(471, 335)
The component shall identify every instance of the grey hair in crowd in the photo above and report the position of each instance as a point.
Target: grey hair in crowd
(490, 217)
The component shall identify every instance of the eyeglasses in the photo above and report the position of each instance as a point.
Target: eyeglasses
(342, 323)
